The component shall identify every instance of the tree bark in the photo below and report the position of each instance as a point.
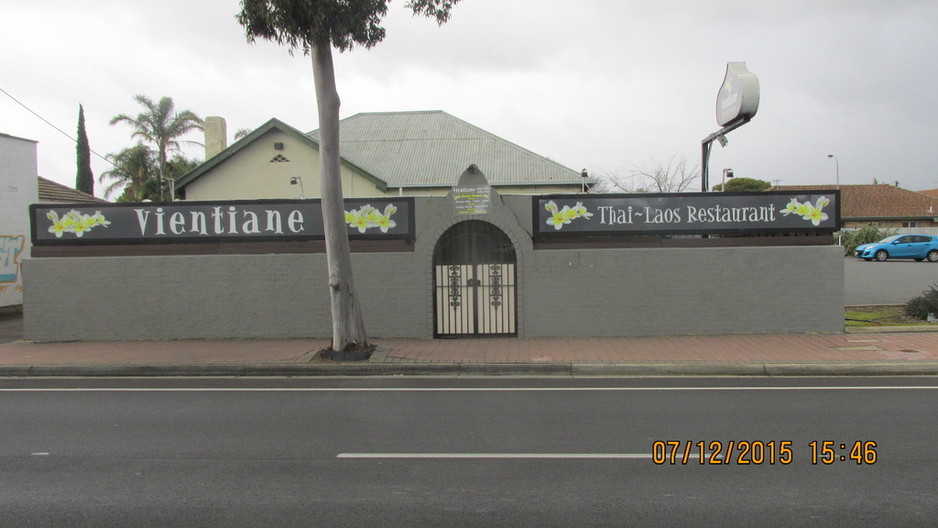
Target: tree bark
(348, 325)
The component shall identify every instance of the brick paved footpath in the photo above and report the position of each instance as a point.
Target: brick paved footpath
(899, 348)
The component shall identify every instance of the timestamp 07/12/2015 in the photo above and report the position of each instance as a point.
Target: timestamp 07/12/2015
(758, 452)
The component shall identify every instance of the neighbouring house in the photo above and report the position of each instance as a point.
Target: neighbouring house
(53, 192)
(19, 169)
(882, 204)
(383, 154)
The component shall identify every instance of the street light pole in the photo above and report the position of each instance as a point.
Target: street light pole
(727, 173)
(837, 164)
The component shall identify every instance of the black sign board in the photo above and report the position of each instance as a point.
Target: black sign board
(690, 213)
(229, 221)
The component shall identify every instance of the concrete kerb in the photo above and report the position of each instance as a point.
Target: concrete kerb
(479, 370)
(889, 329)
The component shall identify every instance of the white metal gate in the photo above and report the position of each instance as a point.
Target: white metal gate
(475, 292)
(475, 299)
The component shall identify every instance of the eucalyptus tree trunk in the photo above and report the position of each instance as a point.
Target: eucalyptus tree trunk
(348, 326)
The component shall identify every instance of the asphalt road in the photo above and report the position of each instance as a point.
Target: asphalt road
(890, 282)
(465, 452)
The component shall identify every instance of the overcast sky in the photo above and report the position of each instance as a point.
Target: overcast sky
(599, 84)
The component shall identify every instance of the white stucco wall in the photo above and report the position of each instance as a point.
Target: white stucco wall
(19, 187)
(252, 173)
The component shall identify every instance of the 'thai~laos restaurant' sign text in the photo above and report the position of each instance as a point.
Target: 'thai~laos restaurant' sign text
(697, 213)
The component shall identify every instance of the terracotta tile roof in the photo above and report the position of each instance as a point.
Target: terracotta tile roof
(930, 192)
(50, 191)
(877, 201)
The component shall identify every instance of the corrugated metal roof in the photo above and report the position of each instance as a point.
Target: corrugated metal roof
(434, 148)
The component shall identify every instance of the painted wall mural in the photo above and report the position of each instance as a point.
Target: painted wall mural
(11, 249)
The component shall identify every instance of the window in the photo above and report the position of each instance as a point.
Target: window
(909, 224)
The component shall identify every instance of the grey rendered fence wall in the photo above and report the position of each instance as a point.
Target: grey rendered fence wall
(600, 292)
(206, 296)
(674, 291)
(568, 292)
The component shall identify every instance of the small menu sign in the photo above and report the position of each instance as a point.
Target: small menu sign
(472, 199)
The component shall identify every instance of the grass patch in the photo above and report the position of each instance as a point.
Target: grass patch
(878, 316)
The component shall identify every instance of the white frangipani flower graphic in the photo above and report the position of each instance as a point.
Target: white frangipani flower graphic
(75, 222)
(812, 213)
(561, 217)
(367, 217)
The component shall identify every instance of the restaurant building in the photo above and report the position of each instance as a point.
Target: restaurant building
(475, 257)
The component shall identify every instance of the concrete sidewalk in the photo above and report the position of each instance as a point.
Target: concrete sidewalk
(862, 353)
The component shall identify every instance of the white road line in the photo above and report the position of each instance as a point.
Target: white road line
(570, 456)
(457, 389)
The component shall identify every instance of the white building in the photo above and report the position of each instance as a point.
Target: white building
(18, 189)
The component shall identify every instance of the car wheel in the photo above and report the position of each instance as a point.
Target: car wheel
(932, 255)
(881, 255)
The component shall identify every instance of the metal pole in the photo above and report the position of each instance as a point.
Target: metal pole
(837, 165)
(704, 164)
(705, 145)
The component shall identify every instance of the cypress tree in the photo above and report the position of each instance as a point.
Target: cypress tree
(84, 180)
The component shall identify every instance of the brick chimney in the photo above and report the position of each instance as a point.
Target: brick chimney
(216, 136)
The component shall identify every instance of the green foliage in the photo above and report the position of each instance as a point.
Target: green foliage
(179, 165)
(743, 185)
(927, 303)
(304, 24)
(161, 126)
(134, 170)
(84, 179)
(865, 235)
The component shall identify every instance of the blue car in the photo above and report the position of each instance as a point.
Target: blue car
(918, 247)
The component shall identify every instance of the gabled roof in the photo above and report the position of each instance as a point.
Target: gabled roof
(930, 192)
(50, 191)
(431, 149)
(877, 201)
(237, 146)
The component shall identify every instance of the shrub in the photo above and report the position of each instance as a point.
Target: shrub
(865, 235)
(926, 303)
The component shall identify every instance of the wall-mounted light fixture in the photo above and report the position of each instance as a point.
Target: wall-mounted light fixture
(296, 180)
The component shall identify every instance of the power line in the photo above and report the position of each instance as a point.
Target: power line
(46, 121)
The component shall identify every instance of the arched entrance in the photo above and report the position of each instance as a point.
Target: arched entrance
(474, 282)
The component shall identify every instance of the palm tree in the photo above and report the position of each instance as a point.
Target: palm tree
(161, 126)
(135, 172)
